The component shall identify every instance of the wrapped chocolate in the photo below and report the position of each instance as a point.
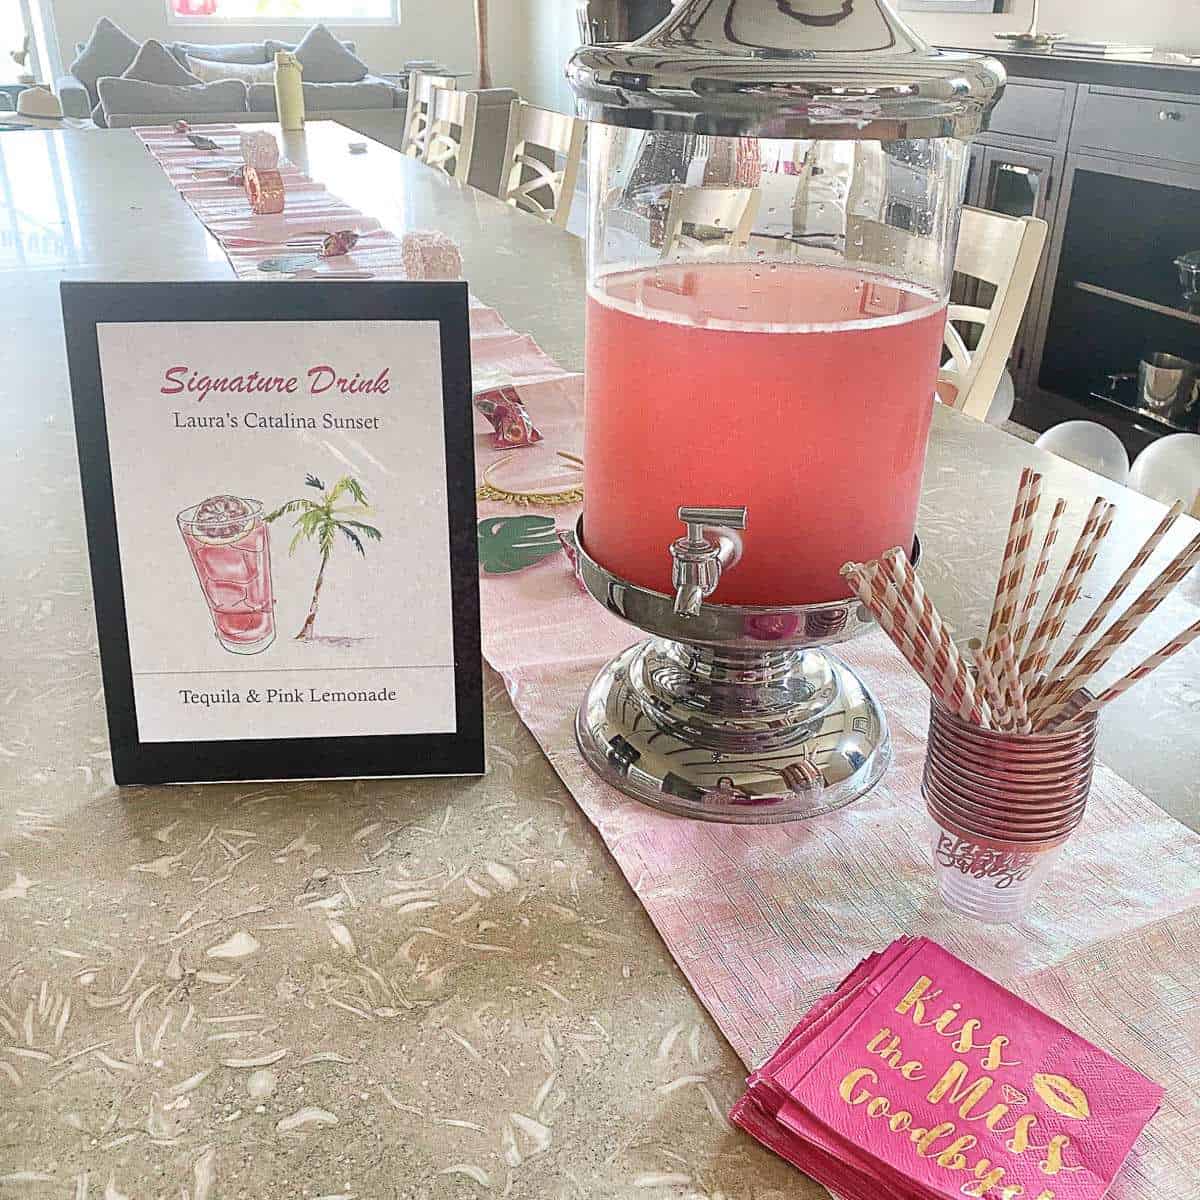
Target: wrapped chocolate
(340, 242)
(264, 190)
(260, 149)
(428, 254)
(511, 424)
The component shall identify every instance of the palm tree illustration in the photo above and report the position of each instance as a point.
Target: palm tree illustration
(321, 521)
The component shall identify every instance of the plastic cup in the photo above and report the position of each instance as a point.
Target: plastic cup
(1001, 806)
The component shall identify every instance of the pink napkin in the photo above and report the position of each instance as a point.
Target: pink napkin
(922, 1077)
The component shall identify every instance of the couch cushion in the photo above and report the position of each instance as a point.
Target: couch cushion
(134, 96)
(154, 63)
(274, 46)
(231, 52)
(325, 60)
(329, 97)
(108, 52)
(210, 72)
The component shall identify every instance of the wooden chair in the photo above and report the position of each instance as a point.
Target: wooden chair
(451, 139)
(421, 88)
(729, 209)
(527, 181)
(1005, 252)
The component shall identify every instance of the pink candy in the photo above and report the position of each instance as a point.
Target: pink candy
(428, 254)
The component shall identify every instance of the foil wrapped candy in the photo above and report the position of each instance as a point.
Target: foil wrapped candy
(511, 424)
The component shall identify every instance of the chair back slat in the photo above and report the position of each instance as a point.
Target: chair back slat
(421, 87)
(529, 180)
(451, 140)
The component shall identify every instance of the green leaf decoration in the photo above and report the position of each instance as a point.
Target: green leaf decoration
(508, 544)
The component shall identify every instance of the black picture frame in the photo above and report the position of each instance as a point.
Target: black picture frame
(86, 305)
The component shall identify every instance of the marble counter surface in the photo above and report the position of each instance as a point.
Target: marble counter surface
(381, 989)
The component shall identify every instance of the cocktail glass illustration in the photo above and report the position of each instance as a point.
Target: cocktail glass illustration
(231, 551)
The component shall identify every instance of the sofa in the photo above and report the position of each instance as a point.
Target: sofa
(116, 49)
(371, 105)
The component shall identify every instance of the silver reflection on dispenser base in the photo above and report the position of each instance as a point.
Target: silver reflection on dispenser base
(729, 712)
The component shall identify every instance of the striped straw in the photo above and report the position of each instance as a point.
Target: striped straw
(1124, 627)
(1039, 575)
(871, 584)
(1173, 647)
(1114, 593)
(919, 615)
(1072, 594)
(1011, 675)
(1016, 550)
(991, 686)
(1039, 647)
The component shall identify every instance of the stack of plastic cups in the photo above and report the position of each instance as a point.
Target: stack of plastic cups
(1002, 806)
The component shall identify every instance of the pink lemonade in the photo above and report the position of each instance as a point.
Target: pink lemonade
(230, 549)
(804, 393)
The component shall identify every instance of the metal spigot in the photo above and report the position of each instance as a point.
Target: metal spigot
(711, 545)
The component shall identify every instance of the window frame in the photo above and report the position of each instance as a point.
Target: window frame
(218, 22)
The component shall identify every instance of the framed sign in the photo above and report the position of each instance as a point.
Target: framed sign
(279, 490)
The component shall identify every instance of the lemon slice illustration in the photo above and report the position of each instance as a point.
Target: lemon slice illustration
(223, 519)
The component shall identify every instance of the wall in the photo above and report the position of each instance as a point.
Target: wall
(1168, 24)
(548, 28)
(444, 30)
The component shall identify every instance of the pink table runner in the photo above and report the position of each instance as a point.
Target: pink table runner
(765, 920)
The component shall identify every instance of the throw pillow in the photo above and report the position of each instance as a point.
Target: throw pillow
(325, 60)
(154, 63)
(273, 47)
(210, 72)
(125, 96)
(108, 52)
(230, 52)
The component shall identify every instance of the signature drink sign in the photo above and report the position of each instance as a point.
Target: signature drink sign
(280, 513)
(774, 196)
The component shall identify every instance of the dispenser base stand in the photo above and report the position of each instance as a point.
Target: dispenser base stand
(747, 737)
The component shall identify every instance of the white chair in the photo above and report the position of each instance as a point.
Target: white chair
(1169, 470)
(1005, 252)
(421, 88)
(1090, 445)
(729, 209)
(997, 249)
(528, 182)
(451, 140)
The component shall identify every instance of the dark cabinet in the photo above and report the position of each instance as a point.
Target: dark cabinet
(1116, 174)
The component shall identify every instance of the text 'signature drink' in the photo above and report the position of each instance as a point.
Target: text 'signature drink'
(228, 541)
(802, 392)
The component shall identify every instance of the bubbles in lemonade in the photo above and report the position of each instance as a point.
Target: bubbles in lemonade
(230, 549)
(802, 392)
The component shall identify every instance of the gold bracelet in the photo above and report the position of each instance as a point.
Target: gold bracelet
(489, 491)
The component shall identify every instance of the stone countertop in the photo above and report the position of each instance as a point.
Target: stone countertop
(1160, 73)
(362, 989)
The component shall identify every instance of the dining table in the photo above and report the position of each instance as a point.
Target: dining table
(378, 987)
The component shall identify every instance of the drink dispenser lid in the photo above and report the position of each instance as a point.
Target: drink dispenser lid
(829, 69)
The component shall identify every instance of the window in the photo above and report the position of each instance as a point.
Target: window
(284, 12)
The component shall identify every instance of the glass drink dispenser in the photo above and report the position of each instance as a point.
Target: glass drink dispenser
(774, 198)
